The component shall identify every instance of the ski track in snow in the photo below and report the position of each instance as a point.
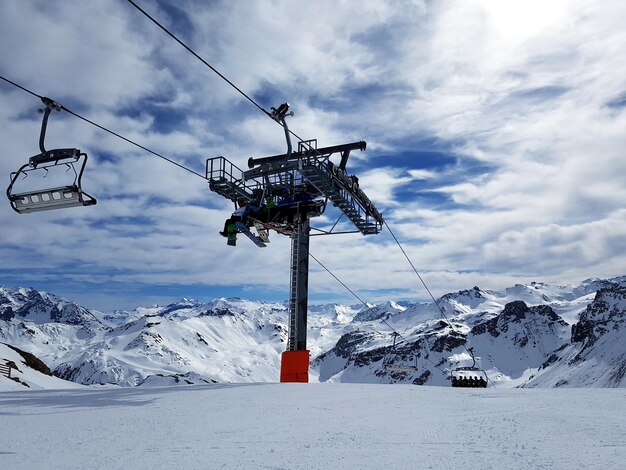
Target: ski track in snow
(312, 426)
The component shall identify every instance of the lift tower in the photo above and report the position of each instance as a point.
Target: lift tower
(287, 191)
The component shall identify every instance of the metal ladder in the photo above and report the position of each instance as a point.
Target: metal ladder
(293, 292)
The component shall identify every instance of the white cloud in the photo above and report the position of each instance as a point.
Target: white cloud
(517, 93)
(381, 183)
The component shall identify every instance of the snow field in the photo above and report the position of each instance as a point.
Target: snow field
(312, 426)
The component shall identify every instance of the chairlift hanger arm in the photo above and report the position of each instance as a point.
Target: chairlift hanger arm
(44, 125)
(50, 105)
(279, 116)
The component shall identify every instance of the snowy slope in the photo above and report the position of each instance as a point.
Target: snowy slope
(221, 341)
(313, 426)
(27, 373)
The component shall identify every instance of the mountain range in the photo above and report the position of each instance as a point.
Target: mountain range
(535, 335)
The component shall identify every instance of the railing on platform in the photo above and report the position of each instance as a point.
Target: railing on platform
(5, 369)
(225, 178)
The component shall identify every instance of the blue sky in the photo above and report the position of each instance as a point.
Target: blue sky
(496, 133)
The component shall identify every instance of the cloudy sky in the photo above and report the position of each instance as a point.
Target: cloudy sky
(496, 135)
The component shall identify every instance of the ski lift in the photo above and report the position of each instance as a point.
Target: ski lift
(391, 363)
(469, 377)
(61, 196)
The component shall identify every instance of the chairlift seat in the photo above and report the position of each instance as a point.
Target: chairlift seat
(49, 199)
(54, 156)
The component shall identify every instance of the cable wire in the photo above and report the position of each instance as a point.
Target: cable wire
(369, 308)
(417, 273)
(169, 160)
(221, 75)
(429, 292)
(21, 87)
(420, 278)
(197, 56)
(342, 283)
(355, 295)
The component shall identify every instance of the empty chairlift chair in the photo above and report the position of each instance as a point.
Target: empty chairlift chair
(394, 362)
(59, 162)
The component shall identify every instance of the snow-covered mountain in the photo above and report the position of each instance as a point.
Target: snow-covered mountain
(42, 308)
(221, 341)
(595, 356)
(535, 335)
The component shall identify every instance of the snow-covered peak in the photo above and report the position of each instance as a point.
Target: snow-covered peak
(335, 312)
(606, 312)
(40, 307)
(182, 308)
(469, 298)
(380, 311)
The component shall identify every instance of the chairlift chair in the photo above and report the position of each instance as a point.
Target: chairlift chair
(469, 376)
(391, 362)
(59, 197)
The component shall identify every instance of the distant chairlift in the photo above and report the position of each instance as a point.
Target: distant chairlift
(49, 161)
(469, 377)
(394, 362)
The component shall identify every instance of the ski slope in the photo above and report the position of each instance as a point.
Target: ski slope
(312, 426)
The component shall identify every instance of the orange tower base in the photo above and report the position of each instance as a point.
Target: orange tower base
(294, 366)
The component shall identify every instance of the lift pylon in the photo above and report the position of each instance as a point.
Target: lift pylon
(295, 360)
(287, 191)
